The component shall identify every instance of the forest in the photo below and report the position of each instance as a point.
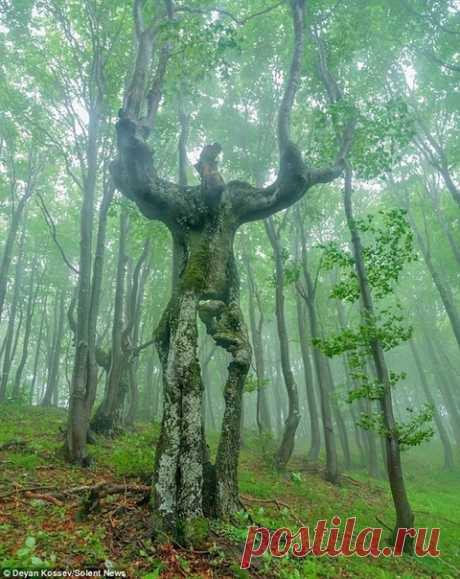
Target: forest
(229, 288)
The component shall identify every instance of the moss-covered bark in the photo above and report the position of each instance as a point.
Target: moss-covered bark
(187, 487)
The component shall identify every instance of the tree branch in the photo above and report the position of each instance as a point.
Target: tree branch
(223, 12)
(294, 178)
(52, 227)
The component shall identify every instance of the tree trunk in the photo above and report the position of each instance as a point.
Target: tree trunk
(293, 418)
(11, 237)
(332, 471)
(341, 428)
(9, 337)
(37, 351)
(444, 387)
(443, 289)
(186, 486)
(135, 299)
(315, 437)
(56, 350)
(404, 514)
(18, 391)
(447, 448)
(96, 288)
(78, 417)
(108, 418)
(262, 412)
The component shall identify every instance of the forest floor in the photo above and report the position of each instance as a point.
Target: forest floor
(47, 520)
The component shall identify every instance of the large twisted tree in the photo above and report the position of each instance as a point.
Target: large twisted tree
(203, 221)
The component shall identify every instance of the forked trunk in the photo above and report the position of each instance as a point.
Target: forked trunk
(188, 489)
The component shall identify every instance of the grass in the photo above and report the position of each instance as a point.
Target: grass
(37, 532)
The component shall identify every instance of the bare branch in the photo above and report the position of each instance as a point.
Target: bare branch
(52, 227)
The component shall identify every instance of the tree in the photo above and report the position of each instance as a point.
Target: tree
(203, 221)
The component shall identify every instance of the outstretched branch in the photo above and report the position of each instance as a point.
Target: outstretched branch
(294, 177)
(133, 171)
(292, 85)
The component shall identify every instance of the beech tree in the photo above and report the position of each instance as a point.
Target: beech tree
(203, 221)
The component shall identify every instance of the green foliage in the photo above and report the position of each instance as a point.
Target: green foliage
(253, 384)
(387, 248)
(132, 455)
(382, 133)
(26, 557)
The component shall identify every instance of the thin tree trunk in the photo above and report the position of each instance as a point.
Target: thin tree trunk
(33, 293)
(404, 514)
(9, 337)
(332, 470)
(447, 448)
(16, 218)
(96, 287)
(131, 333)
(341, 428)
(292, 421)
(443, 289)
(444, 386)
(37, 351)
(108, 417)
(315, 436)
(56, 350)
(78, 417)
(262, 412)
